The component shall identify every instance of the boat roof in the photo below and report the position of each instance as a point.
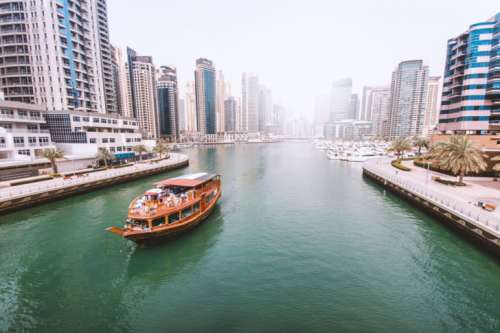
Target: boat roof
(153, 191)
(191, 180)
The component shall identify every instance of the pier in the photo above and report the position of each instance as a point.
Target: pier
(456, 210)
(27, 195)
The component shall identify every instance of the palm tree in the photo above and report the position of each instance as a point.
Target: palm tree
(52, 155)
(399, 146)
(161, 147)
(459, 155)
(140, 149)
(420, 143)
(496, 166)
(104, 155)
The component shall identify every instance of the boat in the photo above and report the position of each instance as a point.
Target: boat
(172, 207)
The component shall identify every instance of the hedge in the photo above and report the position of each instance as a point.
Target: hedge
(398, 165)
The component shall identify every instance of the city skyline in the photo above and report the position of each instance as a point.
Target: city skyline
(300, 45)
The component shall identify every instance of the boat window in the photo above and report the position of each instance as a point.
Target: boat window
(172, 218)
(187, 211)
(159, 221)
(196, 207)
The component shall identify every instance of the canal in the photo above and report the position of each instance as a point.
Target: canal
(297, 243)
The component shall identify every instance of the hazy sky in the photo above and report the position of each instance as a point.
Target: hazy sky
(297, 47)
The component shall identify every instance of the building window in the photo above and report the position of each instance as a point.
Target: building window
(76, 118)
(112, 149)
(103, 121)
(18, 141)
(115, 121)
(92, 140)
(44, 141)
(22, 114)
(25, 152)
(105, 140)
(95, 120)
(35, 114)
(86, 119)
(112, 140)
(32, 141)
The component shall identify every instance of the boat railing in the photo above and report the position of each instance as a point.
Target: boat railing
(145, 208)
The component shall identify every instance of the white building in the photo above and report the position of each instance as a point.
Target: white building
(23, 134)
(58, 54)
(252, 103)
(378, 107)
(340, 100)
(143, 90)
(122, 84)
(408, 99)
(433, 103)
(190, 105)
(81, 133)
(223, 91)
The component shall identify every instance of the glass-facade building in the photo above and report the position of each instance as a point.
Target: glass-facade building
(205, 96)
(471, 88)
(168, 113)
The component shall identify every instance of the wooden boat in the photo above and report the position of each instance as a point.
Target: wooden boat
(174, 206)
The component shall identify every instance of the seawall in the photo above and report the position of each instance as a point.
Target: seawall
(29, 195)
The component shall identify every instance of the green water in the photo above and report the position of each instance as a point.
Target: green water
(298, 243)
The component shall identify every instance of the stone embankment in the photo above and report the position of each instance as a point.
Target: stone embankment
(457, 210)
(28, 195)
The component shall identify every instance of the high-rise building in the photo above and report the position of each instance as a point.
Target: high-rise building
(252, 105)
(431, 117)
(168, 109)
(265, 108)
(182, 116)
(364, 113)
(243, 123)
(143, 92)
(58, 54)
(230, 114)
(122, 84)
(191, 122)
(377, 109)
(471, 87)
(322, 106)
(408, 99)
(205, 96)
(222, 91)
(340, 99)
(354, 107)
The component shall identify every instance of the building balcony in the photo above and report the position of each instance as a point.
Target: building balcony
(19, 145)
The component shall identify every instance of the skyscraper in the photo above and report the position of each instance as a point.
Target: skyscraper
(182, 116)
(205, 96)
(431, 117)
(252, 106)
(471, 88)
(340, 99)
(191, 122)
(265, 108)
(143, 92)
(377, 108)
(122, 84)
(354, 107)
(322, 107)
(408, 99)
(230, 114)
(41, 36)
(364, 113)
(243, 123)
(221, 92)
(168, 109)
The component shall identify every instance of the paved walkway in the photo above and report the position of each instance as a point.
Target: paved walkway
(460, 200)
(8, 193)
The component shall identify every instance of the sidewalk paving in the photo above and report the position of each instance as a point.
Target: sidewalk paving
(8, 193)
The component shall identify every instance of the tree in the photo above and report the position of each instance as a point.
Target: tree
(161, 147)
(399, 146)
(420, 143)
(140, 149)
(496, 166)
(459, 155)
(104, 155)
(52, 155)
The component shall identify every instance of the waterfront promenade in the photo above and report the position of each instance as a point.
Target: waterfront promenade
(19, 196)
(449, 200)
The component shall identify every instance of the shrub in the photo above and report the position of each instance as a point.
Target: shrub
(398, 165)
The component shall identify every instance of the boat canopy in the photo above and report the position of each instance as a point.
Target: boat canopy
(191, 180)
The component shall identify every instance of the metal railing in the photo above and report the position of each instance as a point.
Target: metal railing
(461, 208)
(20, 191)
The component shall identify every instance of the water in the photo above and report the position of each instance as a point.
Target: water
(297, 244)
